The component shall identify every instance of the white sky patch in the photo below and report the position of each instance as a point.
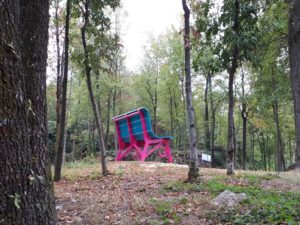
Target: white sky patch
(145, 18)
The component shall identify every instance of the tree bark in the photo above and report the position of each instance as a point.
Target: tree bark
(26, 189)
(232, 70)
(294, 55)
(60, 133)
(88, 70)
(193, 165)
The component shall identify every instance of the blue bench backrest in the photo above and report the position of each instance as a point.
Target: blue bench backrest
(136, 125)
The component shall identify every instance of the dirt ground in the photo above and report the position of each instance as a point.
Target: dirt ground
(83, 197)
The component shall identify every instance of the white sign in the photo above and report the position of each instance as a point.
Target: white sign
(206, 158)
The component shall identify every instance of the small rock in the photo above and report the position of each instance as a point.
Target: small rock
(228, 198)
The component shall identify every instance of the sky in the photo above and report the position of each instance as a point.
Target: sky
(145, 17)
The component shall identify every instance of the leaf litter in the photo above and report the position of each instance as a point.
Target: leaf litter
(133, 193)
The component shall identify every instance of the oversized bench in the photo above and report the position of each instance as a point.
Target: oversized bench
(135, 134)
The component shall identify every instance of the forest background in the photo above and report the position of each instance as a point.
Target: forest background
(262, 103)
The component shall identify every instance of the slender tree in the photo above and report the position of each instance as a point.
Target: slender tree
(206, 114)
(25, 191)
(88, 70)
(193, 164)
(244, 114)
(60, 133)
(232, 70)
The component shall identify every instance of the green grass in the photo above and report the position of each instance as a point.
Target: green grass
(84, 163)
(165, 211)
(261, 207)
(87, 168)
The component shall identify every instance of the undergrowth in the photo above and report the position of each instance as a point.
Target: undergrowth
(261, 207)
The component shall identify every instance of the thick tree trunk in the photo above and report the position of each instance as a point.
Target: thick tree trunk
(193, 165)
(294, 55)
(232, 70)
(26, 189)
(60, 133)
(88, 70)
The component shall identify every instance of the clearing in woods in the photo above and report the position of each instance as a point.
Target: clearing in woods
(155, 193)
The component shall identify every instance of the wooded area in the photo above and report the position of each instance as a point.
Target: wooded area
(245, 43)
(226, 84)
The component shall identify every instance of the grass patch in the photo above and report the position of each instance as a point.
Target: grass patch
(82, 164)
(261, 207)
(87, 168)
(165, 211)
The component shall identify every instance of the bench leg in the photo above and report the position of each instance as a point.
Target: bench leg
(145, 152)
(168, 151)
(123, 152)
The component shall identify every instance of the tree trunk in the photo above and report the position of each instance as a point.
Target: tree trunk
(294, 55)
(114, 114)
(171, 101)
(262, 146)
(60, 133)
(193, 165)
(244, 114)
(176, 122)
(213, 122)
(26, 190)
(252, 148)
(58, 74)
(280, 165)
(88, 70)
(108, 118)
(232, 70)
(155, 104)
(182, 131)
(206, 115)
